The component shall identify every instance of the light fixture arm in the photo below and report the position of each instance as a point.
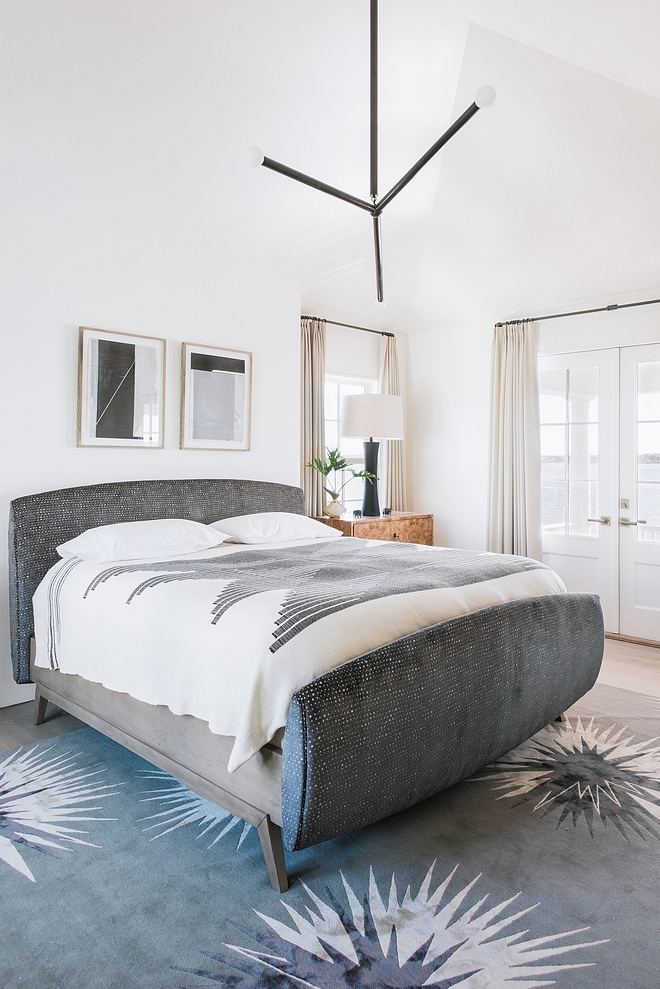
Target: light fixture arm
(277, 166)
(433, 150)
(373, 100)
(378, 256)
(485, 97)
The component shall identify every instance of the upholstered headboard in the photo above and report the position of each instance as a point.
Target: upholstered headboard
(38, 523)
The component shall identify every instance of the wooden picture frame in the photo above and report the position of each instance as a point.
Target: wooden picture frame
(216, 398)
(121, 390)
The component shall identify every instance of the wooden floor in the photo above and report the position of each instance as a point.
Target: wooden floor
(625, 664)
(631, 666)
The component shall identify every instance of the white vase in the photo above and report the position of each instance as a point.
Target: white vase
(334, 509)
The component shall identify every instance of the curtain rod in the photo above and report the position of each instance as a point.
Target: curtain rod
(581, 312)
(351, 326)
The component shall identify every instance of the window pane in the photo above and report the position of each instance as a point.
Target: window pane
(648, 503)
(582, 504)
(648, 441)
(553, 505)
(351, 447)
(553, 443)
(331, 433)
(583, 451)
(583, 394)
(647, 469)
(648, 390)
(330, 400)
(552, 395)
(351, 389)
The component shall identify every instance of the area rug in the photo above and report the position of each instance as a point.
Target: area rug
(544, 869)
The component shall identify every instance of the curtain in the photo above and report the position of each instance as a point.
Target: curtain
(312, 432)
(393, 489)
(514, 524)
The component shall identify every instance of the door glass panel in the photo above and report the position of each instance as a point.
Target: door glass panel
(583, 394)
(648, 390)
(648, 470)
(569, 450)
(552, 395)
(553, 502)
(648, 504)
(582, 505)
(553, 475)
(583, 451)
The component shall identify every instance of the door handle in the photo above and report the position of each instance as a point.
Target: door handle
(627, 522)
(603, 520)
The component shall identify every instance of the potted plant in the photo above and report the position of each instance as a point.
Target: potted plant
(335, 463)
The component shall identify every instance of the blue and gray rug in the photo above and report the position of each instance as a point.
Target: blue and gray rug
(542, 870)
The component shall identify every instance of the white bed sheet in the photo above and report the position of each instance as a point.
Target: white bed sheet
(164, 650)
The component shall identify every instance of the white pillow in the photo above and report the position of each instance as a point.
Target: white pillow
(273, 527)
(141, 540)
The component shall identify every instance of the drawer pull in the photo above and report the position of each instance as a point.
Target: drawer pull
(394, 535)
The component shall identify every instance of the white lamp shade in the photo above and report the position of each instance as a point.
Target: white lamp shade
(372, 415)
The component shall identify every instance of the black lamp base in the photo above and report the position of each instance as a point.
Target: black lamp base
(370, 505)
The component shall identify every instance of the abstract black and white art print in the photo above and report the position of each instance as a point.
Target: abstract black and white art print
(216, 398)
(120, 389)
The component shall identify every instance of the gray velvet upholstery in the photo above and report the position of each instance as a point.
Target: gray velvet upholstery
(38, 523)
(407, 720)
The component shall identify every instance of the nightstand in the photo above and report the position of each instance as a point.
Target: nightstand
(404, 527)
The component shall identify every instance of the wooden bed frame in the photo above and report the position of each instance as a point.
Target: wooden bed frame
(176, 743)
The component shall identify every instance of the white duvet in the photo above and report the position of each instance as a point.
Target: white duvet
(162, 648)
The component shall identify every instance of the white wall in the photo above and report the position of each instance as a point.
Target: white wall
(57, 275)
(598, 331)
(352, 352)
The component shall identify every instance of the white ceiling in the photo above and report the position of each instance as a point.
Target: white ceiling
(135, 115)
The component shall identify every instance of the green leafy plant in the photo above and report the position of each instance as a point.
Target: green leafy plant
(333, 465)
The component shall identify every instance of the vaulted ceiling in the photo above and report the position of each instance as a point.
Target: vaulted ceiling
(135, 115)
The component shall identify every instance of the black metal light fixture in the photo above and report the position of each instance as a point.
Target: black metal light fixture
(255, 156)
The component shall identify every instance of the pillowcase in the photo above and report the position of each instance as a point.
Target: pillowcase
(141, 540)
(273, 527)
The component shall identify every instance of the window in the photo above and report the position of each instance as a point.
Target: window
(336, 387)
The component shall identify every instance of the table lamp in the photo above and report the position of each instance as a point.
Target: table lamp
(368, 416)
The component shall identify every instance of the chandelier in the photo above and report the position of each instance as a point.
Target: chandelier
(255, 157)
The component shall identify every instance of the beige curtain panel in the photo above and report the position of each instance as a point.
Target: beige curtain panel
(393, 490)
(515, 445)
(312, 431)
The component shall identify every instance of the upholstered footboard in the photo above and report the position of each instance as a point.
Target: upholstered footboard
(389, 729)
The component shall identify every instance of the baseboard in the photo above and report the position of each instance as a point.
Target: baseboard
(630, 638)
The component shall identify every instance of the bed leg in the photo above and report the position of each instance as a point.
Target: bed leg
(40, 704)
(270, 836)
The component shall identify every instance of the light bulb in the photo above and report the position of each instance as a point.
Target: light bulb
(485, 96)
(254, 157)
(380, 305)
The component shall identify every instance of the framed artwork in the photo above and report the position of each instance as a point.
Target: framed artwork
(121, 389)
(216, 397)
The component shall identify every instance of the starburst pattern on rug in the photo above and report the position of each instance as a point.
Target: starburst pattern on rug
(38, 795)
(584, 771)
(431, 939)
(183, 807)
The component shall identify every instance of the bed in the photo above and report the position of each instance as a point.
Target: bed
(364, 739)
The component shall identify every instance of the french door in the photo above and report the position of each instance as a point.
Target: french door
(600, 480)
